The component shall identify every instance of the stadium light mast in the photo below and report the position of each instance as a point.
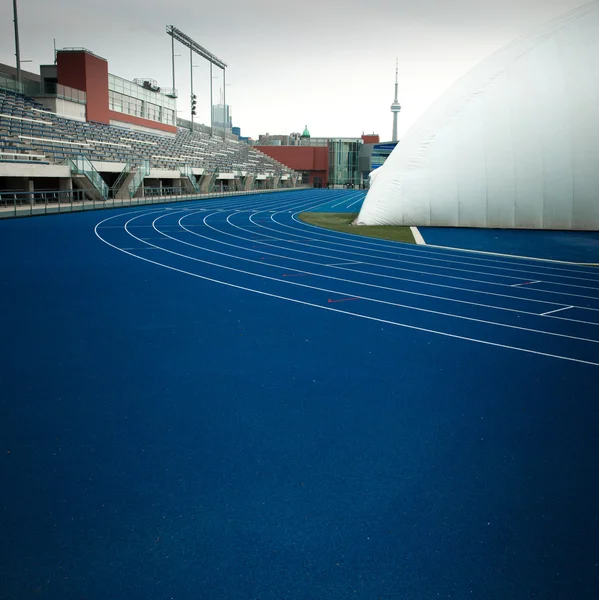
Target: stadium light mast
(191, 87)
(193, 46)
(173, 59)
(17, 50)
(225, 115)
(396, 106)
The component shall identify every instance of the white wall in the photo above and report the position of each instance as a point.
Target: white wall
(108, 167)
(164, 174)
(141, 128)
(64, 108)
(32, 170)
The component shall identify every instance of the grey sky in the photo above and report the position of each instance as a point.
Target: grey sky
(329, 65)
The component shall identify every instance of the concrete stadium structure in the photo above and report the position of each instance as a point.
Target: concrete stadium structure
(514, 144)
(78, 128)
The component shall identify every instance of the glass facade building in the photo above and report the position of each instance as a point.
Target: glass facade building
(343, 162)
(132, 99)
(380, 153)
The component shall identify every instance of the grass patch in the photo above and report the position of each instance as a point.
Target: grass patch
(341, 222)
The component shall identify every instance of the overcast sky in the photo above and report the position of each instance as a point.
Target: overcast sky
(327, 64)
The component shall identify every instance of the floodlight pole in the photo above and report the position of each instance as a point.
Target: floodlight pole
(211, 119)
(224, 105)
(173, 49)
(17, 51)
(191, 76)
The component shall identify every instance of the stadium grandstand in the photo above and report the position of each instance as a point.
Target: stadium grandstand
(92, 142)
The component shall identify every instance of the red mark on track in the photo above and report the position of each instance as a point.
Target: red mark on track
(296, 274)
(342, 300)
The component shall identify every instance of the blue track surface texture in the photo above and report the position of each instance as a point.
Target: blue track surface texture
(214, 400)
(568, 246)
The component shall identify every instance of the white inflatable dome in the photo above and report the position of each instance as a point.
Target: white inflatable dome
(514, 144)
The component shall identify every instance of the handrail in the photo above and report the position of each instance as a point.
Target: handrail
(186, 171)
(142, 172)
(80, 164)
(15, 203)
(116, 186)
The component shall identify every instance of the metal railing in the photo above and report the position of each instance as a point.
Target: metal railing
(142, 172)
(82, 165)
(25, 204)
(36, 89)
(57, 90)
(187, 172)
(116, 186)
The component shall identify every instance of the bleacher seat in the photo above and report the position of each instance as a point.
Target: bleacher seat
(57, 137)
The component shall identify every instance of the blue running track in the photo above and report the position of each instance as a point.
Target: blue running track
(215, 400)
(569, 246)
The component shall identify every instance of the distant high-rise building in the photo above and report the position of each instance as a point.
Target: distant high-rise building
(396, 106)
(221, 115)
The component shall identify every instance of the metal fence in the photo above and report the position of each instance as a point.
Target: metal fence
(25, 204)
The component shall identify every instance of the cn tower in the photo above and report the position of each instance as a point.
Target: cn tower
(396, 106)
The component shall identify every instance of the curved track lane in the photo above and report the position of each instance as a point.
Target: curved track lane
(260, 246)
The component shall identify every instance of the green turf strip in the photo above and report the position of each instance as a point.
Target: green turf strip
(341, 222)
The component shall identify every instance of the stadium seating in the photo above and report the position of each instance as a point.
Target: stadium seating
(27, 128)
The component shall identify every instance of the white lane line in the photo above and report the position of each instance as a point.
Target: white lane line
(406, 249)
(354, 239)
(549, 260)
(355, 271)
(344, 312)
(401, 253)
(367, 298)
(448, 250)
(417, 236)
(356, 202)
(421, 272)
(527, 283)
(338, 203)
(556, 310)
(352, 262)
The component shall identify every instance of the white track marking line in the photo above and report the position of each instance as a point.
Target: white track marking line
(356, 202)
(402, 253)
(423, 251)
(556, 310)
(456, 277)
(336, 310)
(417, 236)
(354, 245)
(549, 260)
(527, 283)
(460, 289)
(447, 251)
(376, 300)
(351, 262)
(339, 203)
(523, 299)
